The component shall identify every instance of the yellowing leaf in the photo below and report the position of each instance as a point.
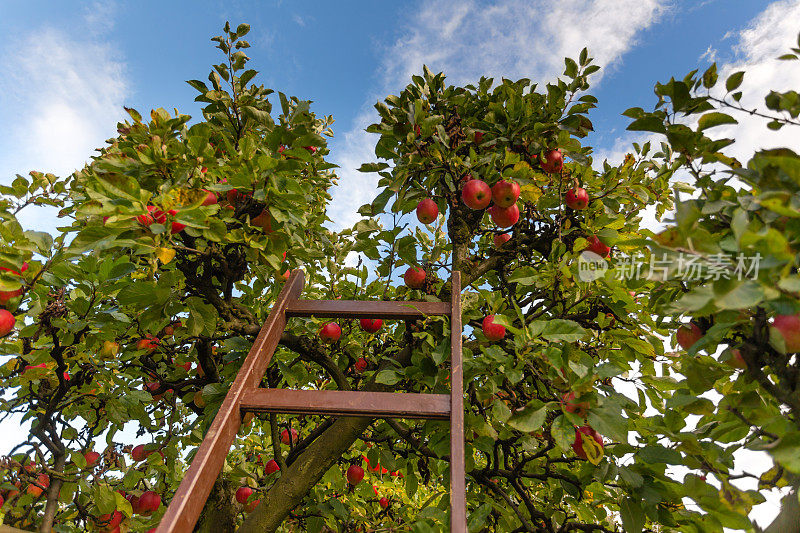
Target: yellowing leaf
(593, 449)
(530, 193)
(165, 255)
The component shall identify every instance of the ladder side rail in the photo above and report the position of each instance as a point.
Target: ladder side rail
(187, 503)
(458, 503)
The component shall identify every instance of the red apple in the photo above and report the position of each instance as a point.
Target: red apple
(492, 331)
(414, 277)
(789, 328)
(111, 520)
(7, 322)
(271, 467)
(504, 217)
(427, 211)
(203, 170)
(176, 227)
(476, 194)
(553, 161)
(42, 480)
(596, 246)
(578, 444)
(147, 218)
(311, 149)
(250, 507)
(285, 437)
(355, 474)
(138, 453)
(361, 364)
(571, 406)
(2, 501)
(210, 198)
(92, 458)
(505, 193)
(149, 502)
(150, 344)
(478, 137)
(243, 494)
(330, 332)
(371, 325)
(687, 336)
(500, 239)
(577, 198)
(384, 502)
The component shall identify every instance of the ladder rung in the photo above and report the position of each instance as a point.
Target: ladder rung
(366, 309)
(347, 403)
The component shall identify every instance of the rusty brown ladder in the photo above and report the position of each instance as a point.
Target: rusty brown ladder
(245, 395)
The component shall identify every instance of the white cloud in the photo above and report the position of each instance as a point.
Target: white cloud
(468, 39)
(60, 98)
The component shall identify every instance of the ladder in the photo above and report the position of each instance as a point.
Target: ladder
(245, 395)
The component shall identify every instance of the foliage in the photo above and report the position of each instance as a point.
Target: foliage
(143, 317)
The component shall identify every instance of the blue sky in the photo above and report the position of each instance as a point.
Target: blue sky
(68, 68)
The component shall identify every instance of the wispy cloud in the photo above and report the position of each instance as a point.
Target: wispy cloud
(468, 39)
(60, 98)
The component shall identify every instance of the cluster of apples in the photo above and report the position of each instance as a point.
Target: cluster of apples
(330, 332)
(787, 326)
(7, 320)
(571, 405)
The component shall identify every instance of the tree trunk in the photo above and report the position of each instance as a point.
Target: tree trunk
(51, 507)
(219, 513)
(303, 474)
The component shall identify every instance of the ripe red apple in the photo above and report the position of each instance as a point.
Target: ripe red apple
(577, 198)
(384, 502)
(250, 507)
(110, 521)
(311, 149)
(578, 444)
(243, 494)
(210, 199)
(330, 332)
(175, 227)
(92, 458)
(149, 502)
(147, 218)
(271, 467)
(7, 322)
(736, 360)
(504, 217)
(371, 325)
(571, 406)
(492, 331)
(361, 364)
(355, 474)
(478, 137)
(414, 277)
(476, 194)
(505, 193)
(285, 437)
(687, 336)
(138, 453)
(500, 239)
(427, 211)
(150, 344)
(43, 480)
(787, 325)
(203, 170)
(597, 246)
(553, 161)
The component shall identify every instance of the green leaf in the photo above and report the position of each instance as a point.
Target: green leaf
(655, 453)
(710, 120)
(648, 123)
(528, 419)
(563, 432)
(563, 330)
(388, 377)
(733, 81)
(633, 518)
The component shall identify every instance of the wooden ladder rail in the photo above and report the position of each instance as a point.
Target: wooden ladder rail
(245, 395)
